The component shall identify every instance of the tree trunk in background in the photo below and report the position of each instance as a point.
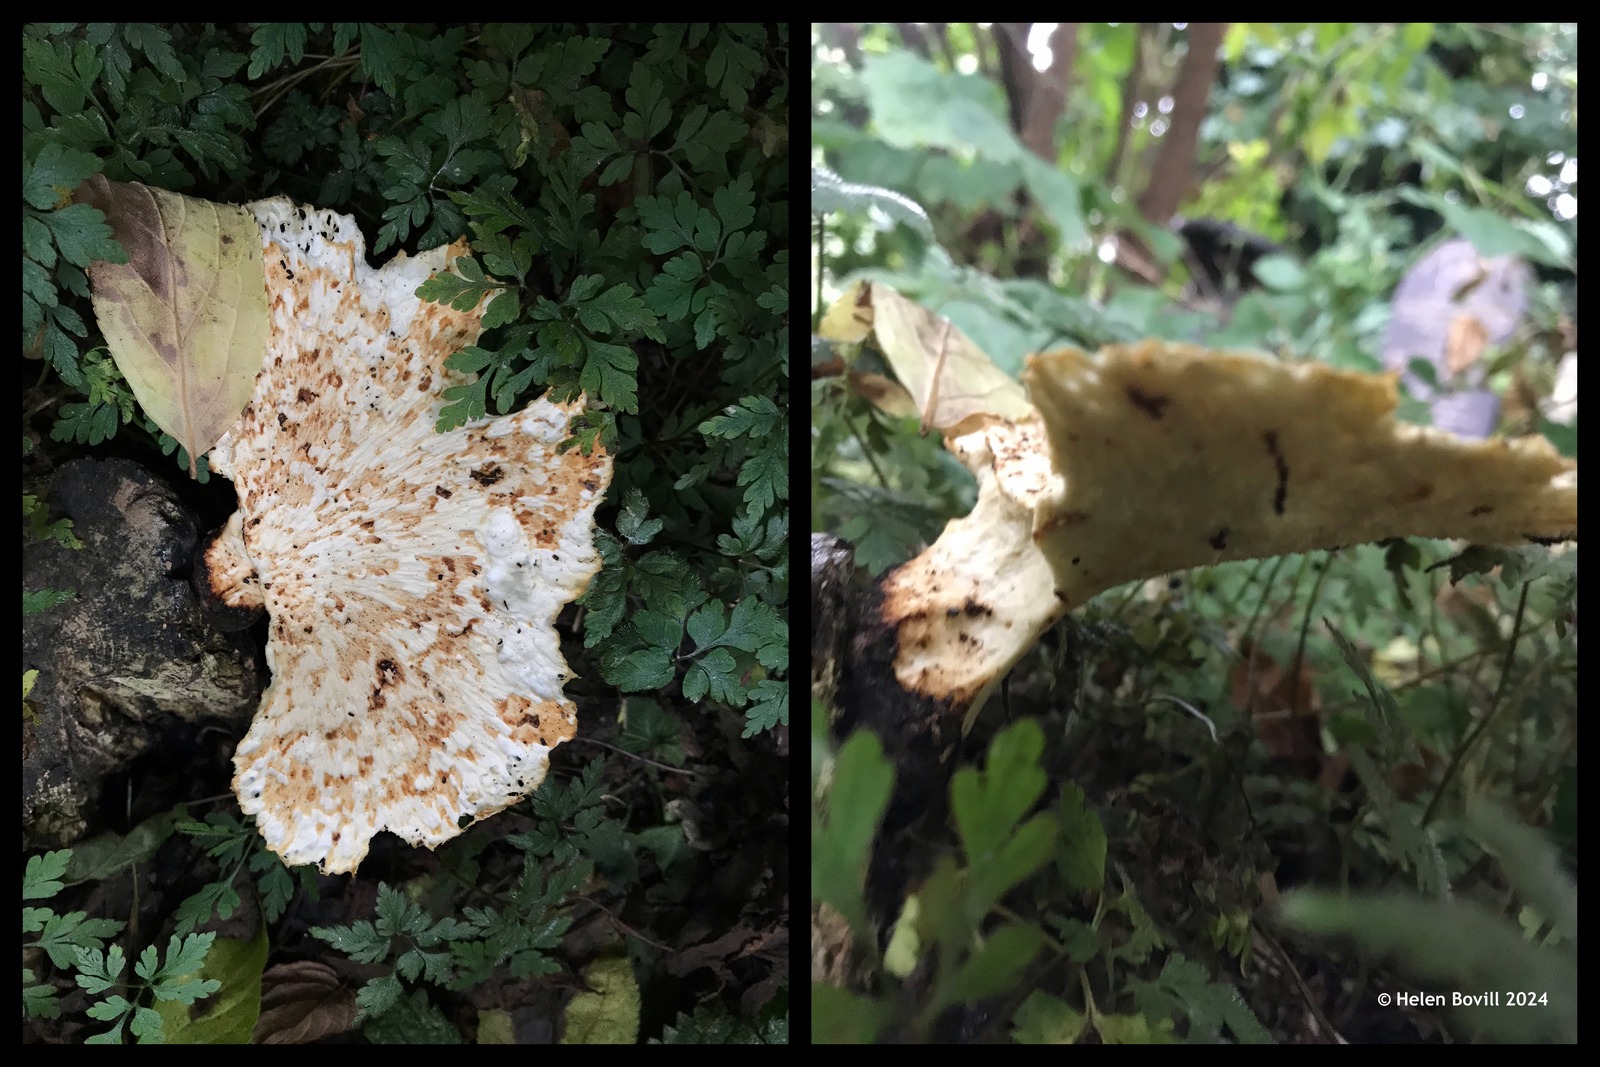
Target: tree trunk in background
(1130, 97)
(1048, 98)
(1173, 172)
(1016, 72)
(914, 38)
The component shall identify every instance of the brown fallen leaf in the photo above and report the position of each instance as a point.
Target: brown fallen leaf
(302, 1002)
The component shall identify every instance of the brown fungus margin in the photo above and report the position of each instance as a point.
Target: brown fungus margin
(412, 578)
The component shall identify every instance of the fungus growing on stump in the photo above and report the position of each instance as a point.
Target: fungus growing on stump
(1149, 459)
(413, 578)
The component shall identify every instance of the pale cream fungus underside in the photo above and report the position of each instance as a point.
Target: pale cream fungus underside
(1158, 457)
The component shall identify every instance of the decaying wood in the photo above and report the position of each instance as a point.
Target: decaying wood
(852, 673)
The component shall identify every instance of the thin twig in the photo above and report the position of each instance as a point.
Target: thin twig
(667, 767)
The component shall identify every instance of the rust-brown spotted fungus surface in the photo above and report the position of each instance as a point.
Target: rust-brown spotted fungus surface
(1157, 457)
(413, 578)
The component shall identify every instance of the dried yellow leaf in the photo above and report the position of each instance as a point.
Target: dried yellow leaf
(186, 317)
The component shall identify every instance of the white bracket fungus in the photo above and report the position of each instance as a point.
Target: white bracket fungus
(412, 578)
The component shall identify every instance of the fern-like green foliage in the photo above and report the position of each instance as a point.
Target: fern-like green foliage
(59, 936)
(978, 947)
(843, 826)
(515, 931)
(166, 976)
(1528, 968)
(239, 850)
(947, 914)
(712, 1024)
(40, 527)
(625, 193)
(74, 941)
(44, 599)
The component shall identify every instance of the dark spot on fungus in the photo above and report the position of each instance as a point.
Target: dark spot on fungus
(442, 491)
(282, 419)
(1153, 406)
(488, 476)
(1482, 509)
(1280, 496)
(1219, 540)
(305, 396)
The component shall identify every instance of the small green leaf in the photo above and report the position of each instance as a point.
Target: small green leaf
(766, 475)
(631, 521)
(1047, 1020)
(58, 170)
(670, 291)
(44, 600)
(1082, 855)
(40, 878)
(272, 43)
(610, 375)
(841, 834)
(989, 803)
(753, 416)
(995, 967)
(734, 64)
(502, 309)
(769, 707)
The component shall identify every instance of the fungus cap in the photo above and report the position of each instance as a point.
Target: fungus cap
(1158, 457)
(1173, 456)
(413, 578)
